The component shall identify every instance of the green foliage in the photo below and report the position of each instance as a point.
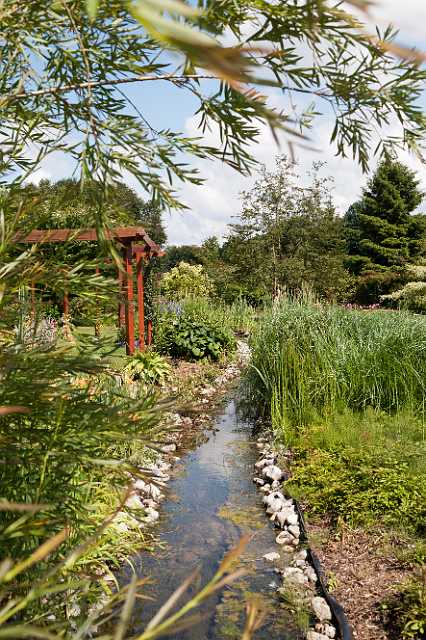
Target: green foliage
(288, 237)
(148, 367)
(57, 448)
(238, 317)
(361, 486)
(408, 609)
(186, 280)
(184, 336)
(311, 360)
(412, 295)
(381, 237)
(63, 91)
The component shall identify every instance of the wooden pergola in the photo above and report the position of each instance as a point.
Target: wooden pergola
(136, 247)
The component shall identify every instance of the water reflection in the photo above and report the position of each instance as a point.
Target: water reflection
(214, 503)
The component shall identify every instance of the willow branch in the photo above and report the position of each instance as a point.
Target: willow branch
(100, 83)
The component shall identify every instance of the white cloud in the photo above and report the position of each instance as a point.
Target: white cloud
(213, 204)
(408, 16)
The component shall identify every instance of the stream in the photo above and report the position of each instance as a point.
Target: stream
(211, 503)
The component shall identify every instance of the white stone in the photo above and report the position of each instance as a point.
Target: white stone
(134, 502)
(326, 629)
(300, 563)
(148, 502)
(273, 556)
(286, 516)
(311, 573)
(294, 575)
(168, 448)
(154, 492)
(294, 530)
(283, 538)
(266, 488)
(151, 514)
(291, 517)
(259, 481)
(273, 497)
(272, 472)
(263, 462)
(139, 485)
(313, 635)
(321, 608)
(301, 555)
(274, 505)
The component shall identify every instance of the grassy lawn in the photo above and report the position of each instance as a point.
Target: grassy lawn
(106, 346)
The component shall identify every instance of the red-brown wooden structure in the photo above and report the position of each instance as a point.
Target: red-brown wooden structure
(136, 246)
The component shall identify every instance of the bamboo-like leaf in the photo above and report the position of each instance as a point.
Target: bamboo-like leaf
(173, 7)
(5, 410)
(15, 632)
(170, 603)
(39, 554)
(92, 7)
(126, 610)
(5, 505)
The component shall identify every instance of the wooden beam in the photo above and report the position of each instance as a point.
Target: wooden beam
(129, 308)
(122, 234)
(141, 300)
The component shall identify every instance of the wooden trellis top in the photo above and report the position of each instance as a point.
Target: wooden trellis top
(125, 235)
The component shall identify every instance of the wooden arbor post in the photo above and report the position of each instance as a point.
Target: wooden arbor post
(129, 306)
(141, 299)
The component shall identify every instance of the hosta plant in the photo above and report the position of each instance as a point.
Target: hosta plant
(148, 367)
(187, 337)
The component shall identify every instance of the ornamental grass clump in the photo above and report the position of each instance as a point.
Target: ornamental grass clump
(310, 361)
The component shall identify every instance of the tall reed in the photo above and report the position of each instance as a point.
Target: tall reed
(310, 361)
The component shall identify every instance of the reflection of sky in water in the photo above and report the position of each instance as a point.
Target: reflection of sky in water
(216, 478)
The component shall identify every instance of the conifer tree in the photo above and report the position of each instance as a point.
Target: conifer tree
(382, 237)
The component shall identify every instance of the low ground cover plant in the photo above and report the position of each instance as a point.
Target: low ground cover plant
(196, 329)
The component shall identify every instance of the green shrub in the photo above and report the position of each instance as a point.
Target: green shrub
(239, 317)
(186, 337)
(186, 280)
(148, 367)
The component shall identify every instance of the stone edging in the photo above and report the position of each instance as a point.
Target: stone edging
(303, 573)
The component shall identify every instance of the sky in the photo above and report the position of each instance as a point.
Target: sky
(213, 205)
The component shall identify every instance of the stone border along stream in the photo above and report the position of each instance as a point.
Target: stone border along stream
(304, 573)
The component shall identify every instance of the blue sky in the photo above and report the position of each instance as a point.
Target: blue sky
(213, 204)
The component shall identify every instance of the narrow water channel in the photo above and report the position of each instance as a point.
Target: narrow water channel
(212, 502)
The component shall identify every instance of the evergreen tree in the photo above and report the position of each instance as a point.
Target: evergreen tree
(382, 237)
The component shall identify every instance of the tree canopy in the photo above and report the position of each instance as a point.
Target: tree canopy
(289, 236)
(382, 235)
